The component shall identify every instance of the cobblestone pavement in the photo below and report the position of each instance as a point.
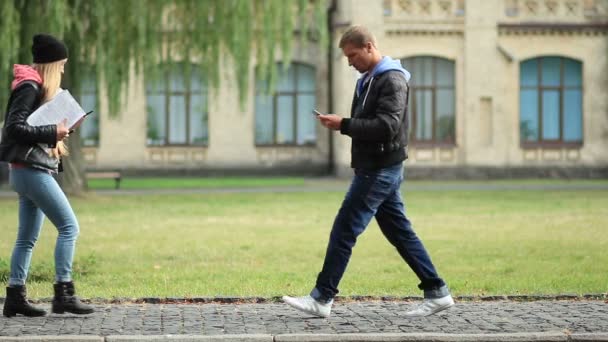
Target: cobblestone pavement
(367, 317)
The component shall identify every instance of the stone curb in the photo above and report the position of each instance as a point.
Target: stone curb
(50, 338)
(355, 298)
(603, 337)
(419, 337)
(193, 338)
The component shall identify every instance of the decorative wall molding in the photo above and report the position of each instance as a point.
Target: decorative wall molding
(416, 11)
(418, 31)
(555, 10)
(534, 28)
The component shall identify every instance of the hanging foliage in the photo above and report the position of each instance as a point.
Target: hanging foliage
(119, 36)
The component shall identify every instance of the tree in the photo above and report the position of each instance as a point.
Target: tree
(117, 36)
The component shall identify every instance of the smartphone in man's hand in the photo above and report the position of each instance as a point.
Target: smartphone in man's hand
(316, 112)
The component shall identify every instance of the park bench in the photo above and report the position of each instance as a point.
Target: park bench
(105, 175)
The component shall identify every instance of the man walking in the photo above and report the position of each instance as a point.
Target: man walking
(378, 127)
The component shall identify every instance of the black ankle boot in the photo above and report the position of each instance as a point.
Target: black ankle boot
(16, 303)
(65, 300)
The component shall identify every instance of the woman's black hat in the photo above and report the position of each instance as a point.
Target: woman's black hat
(48, 49)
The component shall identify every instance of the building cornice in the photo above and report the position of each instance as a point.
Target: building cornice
(552, 28)
(428, 30)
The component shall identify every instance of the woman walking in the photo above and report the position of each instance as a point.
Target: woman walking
(34, 154)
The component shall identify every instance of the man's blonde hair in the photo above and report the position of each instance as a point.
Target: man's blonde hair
(51, 81)
(358, 36)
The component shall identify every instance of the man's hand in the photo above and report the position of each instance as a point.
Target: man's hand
(331, 121)
(62, 130)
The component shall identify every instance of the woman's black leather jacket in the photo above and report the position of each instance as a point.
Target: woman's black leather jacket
(22, 143)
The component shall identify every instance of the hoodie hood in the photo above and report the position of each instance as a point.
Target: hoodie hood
(385, 64)
(24, 73)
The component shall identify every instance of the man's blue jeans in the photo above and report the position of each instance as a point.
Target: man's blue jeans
(375, 193)
(40, 195)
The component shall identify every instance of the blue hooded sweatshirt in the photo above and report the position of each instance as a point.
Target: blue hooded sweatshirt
(385, 64)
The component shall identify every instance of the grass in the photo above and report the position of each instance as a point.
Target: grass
(189, 183)
(143, 183)
(268, 244)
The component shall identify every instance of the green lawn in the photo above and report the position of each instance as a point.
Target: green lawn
(192, 182)
(269, 244)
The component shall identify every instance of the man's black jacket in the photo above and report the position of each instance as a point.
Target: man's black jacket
(379, 125)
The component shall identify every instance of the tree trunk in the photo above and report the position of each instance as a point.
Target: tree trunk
(72, 179)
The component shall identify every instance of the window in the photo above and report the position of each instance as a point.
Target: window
(550, 101)
(432, 100)
(177, 112)
(89, 129)
(285, 117)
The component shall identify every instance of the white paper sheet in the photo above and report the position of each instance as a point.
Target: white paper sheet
(62, 106)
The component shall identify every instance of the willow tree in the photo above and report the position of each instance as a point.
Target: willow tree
(118, 36)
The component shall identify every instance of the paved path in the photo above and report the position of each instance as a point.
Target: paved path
(544, 320)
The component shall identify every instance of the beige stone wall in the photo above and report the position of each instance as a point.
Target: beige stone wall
(231, 131)
(487, 72)
(469, 32)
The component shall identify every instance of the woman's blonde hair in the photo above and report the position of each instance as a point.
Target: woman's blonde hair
(51, 82)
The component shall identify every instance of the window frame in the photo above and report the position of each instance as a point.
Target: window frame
(540, 88)
(89, 71)
(433, 88)
(165, 83)
(293, 94)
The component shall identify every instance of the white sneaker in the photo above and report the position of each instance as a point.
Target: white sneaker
(309, 305)
(431, 306)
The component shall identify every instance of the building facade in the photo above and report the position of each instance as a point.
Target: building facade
(499, 88)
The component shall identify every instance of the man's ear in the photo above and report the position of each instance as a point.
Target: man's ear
(369, 46)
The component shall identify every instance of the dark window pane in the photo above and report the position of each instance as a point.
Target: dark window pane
(177, 120)
(424, 115)
(444, 129)
(550, 75)
(89, 129)
(551, 123)
(263, 119)
(168, 110)
(561, 80)
(285, 120)
(176, 82)
(572, 73)
(573, 115)
(528, 73)
(89, 84)
(432, 78)
(155, 86)
(306, 78)
(197, 84)
(445, 72)
(286, 81)
(306, 121)
(199, 133)
(156, 119)
(528, 109)
(277, 121)
(426, 72)
(410, 65)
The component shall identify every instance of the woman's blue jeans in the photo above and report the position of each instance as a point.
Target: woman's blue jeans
(40, 196)
(375, 193)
